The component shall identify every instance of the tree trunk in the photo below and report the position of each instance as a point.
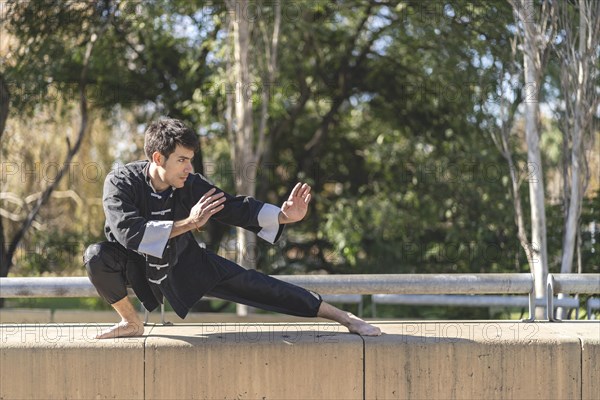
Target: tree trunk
(4, 104)
(536, 178)
(243, 132)
(535, 26)
(244, 170)
(580, 58)
(575, 197)
(246, 155)
(4, 107)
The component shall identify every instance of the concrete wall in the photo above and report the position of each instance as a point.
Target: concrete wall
(310, 360)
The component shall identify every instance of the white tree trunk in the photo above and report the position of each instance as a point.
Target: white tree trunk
(536, 180)
(573, 214)
(535, 27)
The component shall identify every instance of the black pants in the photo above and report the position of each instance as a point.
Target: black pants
(106, 267)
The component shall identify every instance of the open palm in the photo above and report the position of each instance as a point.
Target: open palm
(296, 206)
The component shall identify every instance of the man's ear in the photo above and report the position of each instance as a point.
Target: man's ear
(158, 158)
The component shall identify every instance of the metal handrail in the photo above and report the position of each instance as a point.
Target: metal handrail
(16, 287)
(570, 283)
(415, 283)
(327, 284)
(515, 283)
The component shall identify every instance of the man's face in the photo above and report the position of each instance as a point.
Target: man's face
(175, 170)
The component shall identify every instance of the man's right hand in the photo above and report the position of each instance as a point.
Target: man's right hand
(207, 206)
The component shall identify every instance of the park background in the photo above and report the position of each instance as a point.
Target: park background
(425, 129)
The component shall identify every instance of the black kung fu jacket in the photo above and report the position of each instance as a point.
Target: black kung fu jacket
(141, 219)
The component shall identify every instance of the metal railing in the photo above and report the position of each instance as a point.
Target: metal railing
(323, 284)
(570, 283)
(379, 284)
(47, 287)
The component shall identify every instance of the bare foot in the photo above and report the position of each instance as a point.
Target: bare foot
(357, 325)
(349, 320)
(122, 329)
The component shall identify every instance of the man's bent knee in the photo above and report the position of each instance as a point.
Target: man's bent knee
(105, 268)
(92, 258)
(104, 257)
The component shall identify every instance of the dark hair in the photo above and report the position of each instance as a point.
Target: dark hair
(165, 134)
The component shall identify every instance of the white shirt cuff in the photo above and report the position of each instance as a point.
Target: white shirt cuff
(268, 220)
(155, 238)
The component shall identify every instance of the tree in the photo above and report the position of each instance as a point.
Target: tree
(502, 139)
(9, 247)
(135, 63)
(248, 144)
(579, 32)
(535, 26)
(381, 106)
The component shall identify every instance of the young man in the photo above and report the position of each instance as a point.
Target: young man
(152, 206)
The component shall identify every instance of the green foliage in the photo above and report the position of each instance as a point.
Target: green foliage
(385, 108)
(61, 303)
(57, 252)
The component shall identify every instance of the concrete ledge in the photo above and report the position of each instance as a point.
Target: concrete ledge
(50, 361)
(309, 360)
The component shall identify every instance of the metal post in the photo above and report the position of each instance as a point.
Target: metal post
(592, 304)
(531, 301)
(360, 307)
(550, 294)
(162, 313)
(531, 307)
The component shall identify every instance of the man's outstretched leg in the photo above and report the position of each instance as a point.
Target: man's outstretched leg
(256, 289)
(130, 325)
(349, 320)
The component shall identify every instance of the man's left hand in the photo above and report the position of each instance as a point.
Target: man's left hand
(295, 207)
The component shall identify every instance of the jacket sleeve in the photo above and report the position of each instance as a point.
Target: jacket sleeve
(126, 223)
(242, 211)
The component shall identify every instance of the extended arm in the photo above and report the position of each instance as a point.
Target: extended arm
(264, 219)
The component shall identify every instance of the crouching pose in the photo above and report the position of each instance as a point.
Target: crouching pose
(152, 206)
